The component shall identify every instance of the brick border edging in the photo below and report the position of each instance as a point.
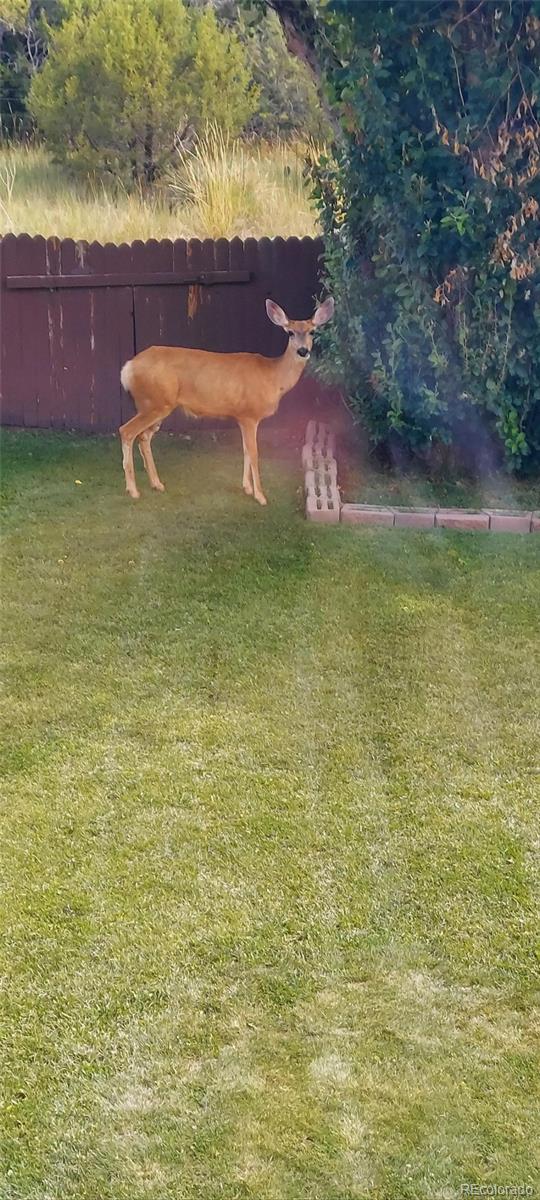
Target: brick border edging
(323, 500)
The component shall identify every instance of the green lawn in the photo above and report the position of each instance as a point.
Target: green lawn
(270, 841)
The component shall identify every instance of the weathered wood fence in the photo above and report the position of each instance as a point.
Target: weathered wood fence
(72, 313)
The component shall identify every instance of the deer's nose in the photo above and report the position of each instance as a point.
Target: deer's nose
(303, 352)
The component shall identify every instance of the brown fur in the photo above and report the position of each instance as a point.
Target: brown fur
(247, 387)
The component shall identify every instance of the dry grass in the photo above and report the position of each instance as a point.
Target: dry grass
(226, 188)
(221, 189)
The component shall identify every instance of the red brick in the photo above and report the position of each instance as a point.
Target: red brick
(460, 518)
(416, 518)
(366, 514)
(508, 520)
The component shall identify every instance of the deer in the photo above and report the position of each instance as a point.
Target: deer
(246, 387)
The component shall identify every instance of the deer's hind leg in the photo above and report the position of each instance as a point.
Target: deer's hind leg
(145, 440)
(128, 432)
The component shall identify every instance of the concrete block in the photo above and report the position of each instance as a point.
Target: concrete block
(461, 518)
(328, 471)
(307, 456)
(310, 483)
(325, 442)
(320, 465)
(415, 518)
(366, 514)
(320, 439)
(535, 522)
(323, 508)
(507, 520)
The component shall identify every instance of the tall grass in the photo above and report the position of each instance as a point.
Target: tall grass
(227, 188)
(222, 188)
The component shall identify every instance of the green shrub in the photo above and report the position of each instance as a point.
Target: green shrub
(431, 213)
(123, 77)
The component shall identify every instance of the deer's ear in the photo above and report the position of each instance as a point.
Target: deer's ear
(323, 313)
(276, 314)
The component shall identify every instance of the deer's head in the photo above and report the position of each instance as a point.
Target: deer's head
(300, 333)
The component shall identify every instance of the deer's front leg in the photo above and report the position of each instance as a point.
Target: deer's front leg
(249, 434)
(246, 478)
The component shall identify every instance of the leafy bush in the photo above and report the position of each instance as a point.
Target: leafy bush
(431, 212)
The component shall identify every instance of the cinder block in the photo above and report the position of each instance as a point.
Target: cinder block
(324, 508)
(326, 467)
(508, 520)
(310, 462)
(321, 479)
(416, 518)
(325, 442)
(320, 439)
(461, 518)
(328, 471)
(535, 522)
(307, 456)
(366, 514)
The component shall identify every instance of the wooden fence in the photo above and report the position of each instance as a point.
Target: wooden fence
(72, 313)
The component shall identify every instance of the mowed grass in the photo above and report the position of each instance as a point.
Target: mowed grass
(270, 841)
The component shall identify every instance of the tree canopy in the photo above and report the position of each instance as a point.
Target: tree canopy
(279, 98)
(122, 79)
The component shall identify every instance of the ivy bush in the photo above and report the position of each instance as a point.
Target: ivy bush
(431, 211)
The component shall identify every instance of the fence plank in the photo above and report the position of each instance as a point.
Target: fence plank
(218, 304)
(177, 326)
(9, 340)
(194, 259)
(154, 306)
(73, 358)
(56, 334)
(124, 336)
(112, 338)
(238, 301)
(255, 323)
(27, 362)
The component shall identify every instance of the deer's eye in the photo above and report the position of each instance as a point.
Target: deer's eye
(290, 332)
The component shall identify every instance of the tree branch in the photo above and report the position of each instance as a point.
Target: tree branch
(300, 31)
(303, 38)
